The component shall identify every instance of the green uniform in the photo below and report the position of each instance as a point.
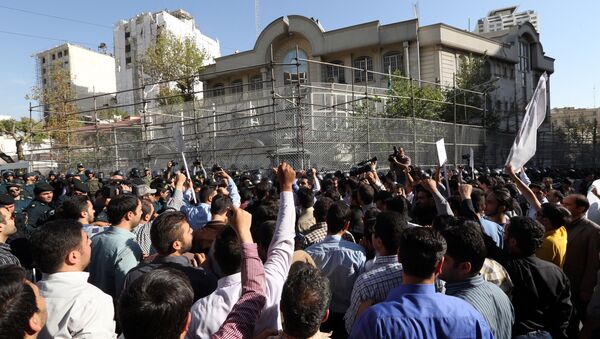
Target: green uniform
(94, 185)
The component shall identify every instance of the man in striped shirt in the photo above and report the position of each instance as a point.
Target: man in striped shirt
(7, 228)
(464, 258)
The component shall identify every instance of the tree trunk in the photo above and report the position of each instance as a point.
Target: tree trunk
(20, 155)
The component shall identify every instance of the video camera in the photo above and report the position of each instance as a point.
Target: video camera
(394, 156)
(362, 167)
(197, 162)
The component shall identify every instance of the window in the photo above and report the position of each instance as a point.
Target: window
(127, 60)
(218, 90)
(127, 48)
(392, 62)
(53, 56)
(59, 55)
(237, 86)
(43, 71)
(255, 83)
(293, 73)
(524, 60)
(66, 52)
(127, 35)
(334, 73)
(359, 75)
(43, 60)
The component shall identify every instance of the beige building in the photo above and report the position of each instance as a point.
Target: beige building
(560, 115)
(505, 18)
(430, 53)
(91, 73)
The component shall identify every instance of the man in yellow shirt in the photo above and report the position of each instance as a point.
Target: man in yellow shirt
(554, 246)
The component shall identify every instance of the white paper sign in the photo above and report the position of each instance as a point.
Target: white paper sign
(441, 152)
(472, 162)
(594, 212)
(178, 135)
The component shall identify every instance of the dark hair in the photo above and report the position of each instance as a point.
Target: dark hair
(558, 215)
(559, 195)
(538, 187)
(581, 201)
(73, 206)
(156, 305)
(304, 300)
(338, 216)
(245, 194)
(306, 197)
(119, 206)
(263, 234)
(397, 204)
(478, 199)
(52, 242)
(503, 197)
(331, 192)
(382, 196)
(146, 207)
(17, 302)
(366, 193)
(465, 244)
(527, 232)
(388, 228)
(420, 250)
(205, 193)
(321, 207)
(165, 230)
(220, 204)
(228, 253)
(267, 210)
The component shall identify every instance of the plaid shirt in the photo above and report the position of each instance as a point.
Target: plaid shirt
(6, 256)
(374, 285)
(495, 273)
(316, 234)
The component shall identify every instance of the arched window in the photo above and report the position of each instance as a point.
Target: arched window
(333, 73)
(256, 83)
(237, 86)
(361, 62)
(292, 73)
(392, 62)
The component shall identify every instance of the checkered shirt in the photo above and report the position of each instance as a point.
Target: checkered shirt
(315, 234)
(374, 285)
(492, 271)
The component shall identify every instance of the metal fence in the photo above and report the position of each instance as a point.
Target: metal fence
(329, 126)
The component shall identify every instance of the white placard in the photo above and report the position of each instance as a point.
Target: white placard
(593, 212)
(441, 152)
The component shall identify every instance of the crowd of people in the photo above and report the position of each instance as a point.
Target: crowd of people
(401, 253)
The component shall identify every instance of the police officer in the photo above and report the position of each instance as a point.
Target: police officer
(40, 209)
(7, 177)
(81, 172)
(21, 202)
(135, 177)
(94, 185)
(29, 185)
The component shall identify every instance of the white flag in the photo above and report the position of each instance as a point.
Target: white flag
(524, 146)
(441, 152)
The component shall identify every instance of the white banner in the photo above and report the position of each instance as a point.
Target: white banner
(441, 152)
(524, 147)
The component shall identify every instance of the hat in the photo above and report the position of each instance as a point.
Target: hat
(81, 186)
(42, 187)
(80, 165)
(13, 184)
(6, 200)
(144, 189)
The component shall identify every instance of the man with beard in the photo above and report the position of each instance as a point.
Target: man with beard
(171, 236)
(428, 203)
(497, 203)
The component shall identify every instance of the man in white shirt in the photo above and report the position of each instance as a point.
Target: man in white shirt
(209, 313)
(76, 309)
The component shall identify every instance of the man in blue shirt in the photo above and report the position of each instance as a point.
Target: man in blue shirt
(415, 310)
(342, 262)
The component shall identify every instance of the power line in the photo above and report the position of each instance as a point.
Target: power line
(55, 17)
(45, 37)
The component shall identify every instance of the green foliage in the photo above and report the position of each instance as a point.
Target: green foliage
(24, 131)
(576, 131)
(428, 100)
(172, 58)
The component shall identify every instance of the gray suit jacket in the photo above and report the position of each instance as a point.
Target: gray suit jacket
(582, 260)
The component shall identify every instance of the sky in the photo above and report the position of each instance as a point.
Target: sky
(568, 31)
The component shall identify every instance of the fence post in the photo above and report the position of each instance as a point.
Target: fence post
(455, 131)
(214, 134)
(414, 119)
(299, 111)
(97, 143)
(484, 129)
(276, 155)
(367, 109)
(146, 160)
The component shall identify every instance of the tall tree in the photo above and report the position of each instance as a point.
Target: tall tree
(177, 59)
(428, 100)
(24, 131)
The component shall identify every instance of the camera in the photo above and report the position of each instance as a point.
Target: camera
(197, 162)
(362, 167)
(394, 156)
(217, 168)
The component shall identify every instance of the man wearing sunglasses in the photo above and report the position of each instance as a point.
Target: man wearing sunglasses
(15, 191)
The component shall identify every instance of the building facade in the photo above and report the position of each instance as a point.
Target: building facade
(91, 73)
(133, 37)
(505, 18)
(562, 115)
(433, 53)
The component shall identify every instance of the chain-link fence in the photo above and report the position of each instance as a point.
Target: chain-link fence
(325, 125)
